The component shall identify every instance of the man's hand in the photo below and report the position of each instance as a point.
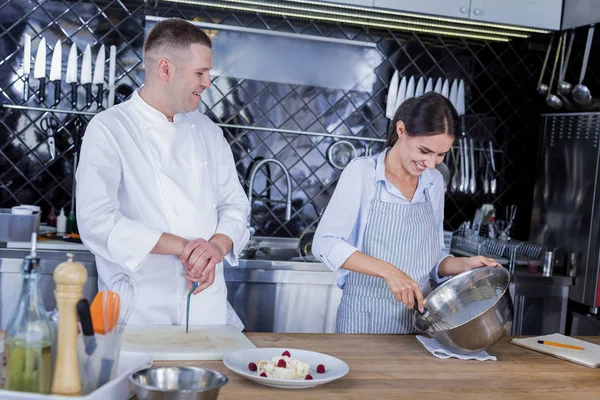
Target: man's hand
(203, 282)
(200, 258)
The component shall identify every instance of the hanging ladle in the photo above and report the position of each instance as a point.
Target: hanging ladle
(581, 94)
(551, 99)
(542, 88)
(564, 88)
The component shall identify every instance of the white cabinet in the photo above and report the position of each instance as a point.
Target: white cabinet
(448, 8)
(365, 3)
(545, 14)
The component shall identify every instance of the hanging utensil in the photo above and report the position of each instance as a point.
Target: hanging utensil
(428, 86)
(99, 75)
(86, 74)
(564, 88)
(56, 70)
(39, 70)
(420, 87)
(493, 163)
(410, 88)
(454, 181)
(26, 65)
(551, 99)
(390, 107)
(111, 76)
(542, 88)
(438, 86)
(473, 181)
(187, 310)
(71, 76)
(581, 93)
(445, 88)
(50, 126)
(401, 95)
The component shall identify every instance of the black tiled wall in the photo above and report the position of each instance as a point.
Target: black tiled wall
(501, 105)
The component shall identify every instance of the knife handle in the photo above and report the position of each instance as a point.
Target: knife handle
(88, 94)
(56, 92)
(74, 95)
(100, 95)
(26, 89)
(42, 90)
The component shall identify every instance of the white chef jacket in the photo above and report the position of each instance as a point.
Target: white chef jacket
(140, 175)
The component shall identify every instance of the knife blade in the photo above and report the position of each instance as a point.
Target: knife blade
(420, 87)
(401, 94)
(453, 93)
(390, 110)
(86, 74)
(446, 89)
(428, 85)
(99, 75)
(438, 86)
(56, 70)
(71, 77)
(187, 310)
(26, 65)
(111, 76)
(39, 70)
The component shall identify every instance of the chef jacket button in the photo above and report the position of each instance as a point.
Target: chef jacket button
(205, 163)
(193, 125)
(160, 166)
(219, 291)
(173, 209)
(214, 206)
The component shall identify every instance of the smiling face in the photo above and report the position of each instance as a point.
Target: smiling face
(415, 154)
(190, 78)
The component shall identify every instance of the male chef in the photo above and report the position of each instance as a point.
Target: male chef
(157, 189)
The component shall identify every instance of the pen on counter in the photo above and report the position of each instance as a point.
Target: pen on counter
(566, 346)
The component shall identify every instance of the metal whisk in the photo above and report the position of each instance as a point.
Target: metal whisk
(434, 322)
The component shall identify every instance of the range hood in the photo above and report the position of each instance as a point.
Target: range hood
(578, 13)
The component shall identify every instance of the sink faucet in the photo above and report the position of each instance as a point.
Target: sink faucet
(288, 203)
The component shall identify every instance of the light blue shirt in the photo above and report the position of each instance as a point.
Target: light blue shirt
(341, 230)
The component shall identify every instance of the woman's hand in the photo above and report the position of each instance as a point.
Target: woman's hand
(479, 261)
(404, 288)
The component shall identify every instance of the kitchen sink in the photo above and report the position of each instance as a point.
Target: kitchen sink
(274, 249)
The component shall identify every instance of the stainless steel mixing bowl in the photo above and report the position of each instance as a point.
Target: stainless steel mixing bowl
(473, 310)
(177, 383)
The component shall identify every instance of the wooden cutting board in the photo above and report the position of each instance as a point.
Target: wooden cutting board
(172, 343)
(589, 357)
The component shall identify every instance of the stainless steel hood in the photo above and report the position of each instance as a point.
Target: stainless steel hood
(578, 13)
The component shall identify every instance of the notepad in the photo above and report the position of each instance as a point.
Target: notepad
(589, 357)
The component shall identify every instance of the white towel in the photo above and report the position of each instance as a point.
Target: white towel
(437, 350)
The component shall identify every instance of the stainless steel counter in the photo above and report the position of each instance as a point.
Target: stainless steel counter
(289, 293)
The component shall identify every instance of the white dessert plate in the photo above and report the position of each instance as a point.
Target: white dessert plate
(334, 367)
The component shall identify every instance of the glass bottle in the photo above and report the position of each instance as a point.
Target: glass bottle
(28, 341)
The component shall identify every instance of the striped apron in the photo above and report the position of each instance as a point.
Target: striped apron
(405, 236)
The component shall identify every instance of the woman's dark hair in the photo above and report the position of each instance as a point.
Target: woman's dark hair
(427, 115)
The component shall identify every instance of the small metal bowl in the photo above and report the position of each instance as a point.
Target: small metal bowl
(177, 383)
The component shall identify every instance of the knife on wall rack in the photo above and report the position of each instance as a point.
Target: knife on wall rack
(99, 75)
(56, 70)
(86, 74)
(39, 70)
(26, 65)
(71, 76)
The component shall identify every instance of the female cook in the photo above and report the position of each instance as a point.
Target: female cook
(382, 231)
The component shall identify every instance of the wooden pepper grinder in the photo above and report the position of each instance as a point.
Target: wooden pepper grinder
(69, 277)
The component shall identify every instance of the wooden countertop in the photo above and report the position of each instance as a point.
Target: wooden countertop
(399, 367)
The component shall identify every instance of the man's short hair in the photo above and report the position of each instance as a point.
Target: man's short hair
(175, 33)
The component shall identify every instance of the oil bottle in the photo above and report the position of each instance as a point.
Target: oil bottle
(28, 341)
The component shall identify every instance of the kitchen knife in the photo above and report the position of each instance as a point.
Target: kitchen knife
(39, 70)
(86, 74)
(111, 76)
(71, 77)
(446, 89)
(390, 107)
(454, 93)
(420, 87)
(56, 70)
(187, 310)
(429, 85)
(401, 94)
(99, 74)
(26, 65)
(438, 86)
(410, 89)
